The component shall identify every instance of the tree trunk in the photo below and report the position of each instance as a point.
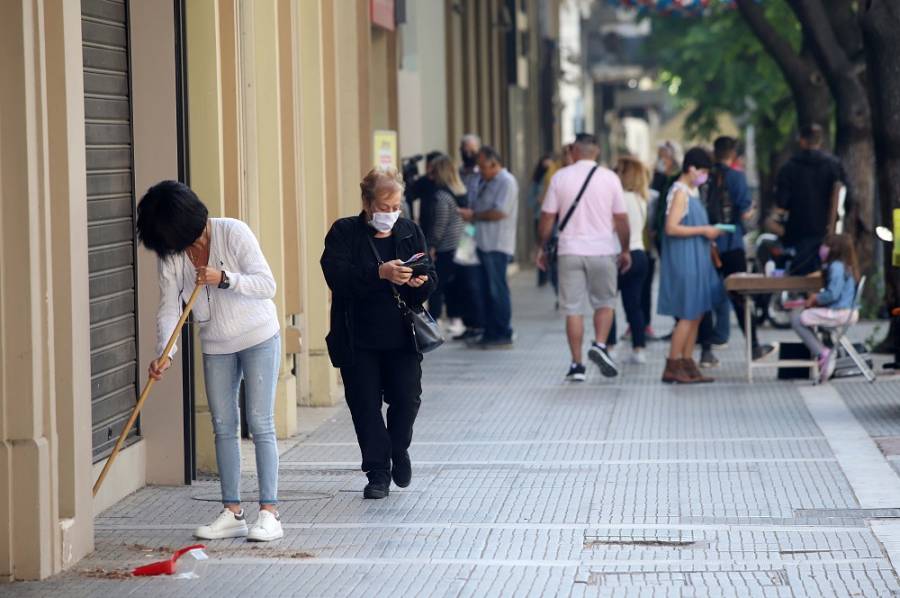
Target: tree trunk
(880, 23)
(802, 74)
(854, 143)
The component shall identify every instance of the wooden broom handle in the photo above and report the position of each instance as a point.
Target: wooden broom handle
(146, 392)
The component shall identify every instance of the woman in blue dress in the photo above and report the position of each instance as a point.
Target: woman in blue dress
(689, 285)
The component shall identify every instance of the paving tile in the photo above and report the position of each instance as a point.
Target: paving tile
(527, 486)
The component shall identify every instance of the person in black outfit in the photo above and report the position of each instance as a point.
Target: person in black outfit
(370, 340)
(728, 201)
(423, 188)
(807, 188)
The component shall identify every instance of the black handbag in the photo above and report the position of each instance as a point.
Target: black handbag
(426, 333)
(553, 244)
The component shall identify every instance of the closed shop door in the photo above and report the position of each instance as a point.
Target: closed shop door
(111, 242)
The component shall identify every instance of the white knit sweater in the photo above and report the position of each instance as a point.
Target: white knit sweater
(232, 319)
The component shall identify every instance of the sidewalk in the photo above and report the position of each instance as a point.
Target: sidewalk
(526, 486)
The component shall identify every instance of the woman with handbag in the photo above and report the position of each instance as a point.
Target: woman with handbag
(689, 285)
(378, 327)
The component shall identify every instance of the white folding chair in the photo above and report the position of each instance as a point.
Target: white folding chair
(839, 335)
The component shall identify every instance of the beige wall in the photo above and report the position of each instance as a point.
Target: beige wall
(155, 132)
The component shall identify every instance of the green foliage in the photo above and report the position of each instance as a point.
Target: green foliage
(717, 64)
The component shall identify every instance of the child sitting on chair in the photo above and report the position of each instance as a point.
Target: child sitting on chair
(833, 306)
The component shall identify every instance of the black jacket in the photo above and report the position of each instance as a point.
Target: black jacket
(351, 272)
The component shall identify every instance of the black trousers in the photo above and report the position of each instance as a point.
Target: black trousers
(733, 261)
(446, 273)
(392, 377)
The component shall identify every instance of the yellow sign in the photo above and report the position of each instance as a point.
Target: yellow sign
(385, 149)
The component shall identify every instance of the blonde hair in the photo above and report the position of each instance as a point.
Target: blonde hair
(445, 174)
(634, 175)
(380, 182)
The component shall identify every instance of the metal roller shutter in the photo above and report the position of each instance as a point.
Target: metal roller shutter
(111, 249)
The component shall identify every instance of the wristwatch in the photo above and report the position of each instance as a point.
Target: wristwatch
(224, 283)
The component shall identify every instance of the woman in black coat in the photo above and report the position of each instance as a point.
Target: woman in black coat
(370, 339)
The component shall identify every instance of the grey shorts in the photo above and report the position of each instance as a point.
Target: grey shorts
(587, 282)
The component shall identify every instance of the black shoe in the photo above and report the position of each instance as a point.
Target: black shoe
(379, 485)
(401, 469)
(470, 333)
(577, 373)
(601, 357)
(495, 343)
(707, 359)
(762, 351)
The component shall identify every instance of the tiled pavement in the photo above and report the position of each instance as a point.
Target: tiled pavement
(526, 486)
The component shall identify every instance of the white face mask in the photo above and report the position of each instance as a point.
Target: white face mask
(383, 222)
(661, 165)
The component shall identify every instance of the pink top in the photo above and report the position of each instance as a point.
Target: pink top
(590, 231)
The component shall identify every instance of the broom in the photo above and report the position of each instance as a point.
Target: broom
(146, 392)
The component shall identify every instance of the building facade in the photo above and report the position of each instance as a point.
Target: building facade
(269, 110)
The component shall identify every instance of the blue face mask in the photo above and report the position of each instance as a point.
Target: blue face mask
(823, 253)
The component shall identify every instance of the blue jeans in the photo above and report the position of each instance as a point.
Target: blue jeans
(258, 366)
(495, 295)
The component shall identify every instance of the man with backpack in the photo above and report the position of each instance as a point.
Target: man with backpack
(589, 202)
(728, 201)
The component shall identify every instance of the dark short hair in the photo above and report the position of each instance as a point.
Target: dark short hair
(723, 147)
(812, 133)
(170, 217)
(489, 153)
(432, 155)
(586, 139)
(697, 157)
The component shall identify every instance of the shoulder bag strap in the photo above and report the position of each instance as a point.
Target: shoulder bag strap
(401, 304)
(574, 205)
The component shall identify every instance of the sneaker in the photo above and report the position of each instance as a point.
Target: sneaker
(826, 366)
(637, 358)
(600, 356)
(227, 525)
(577, 373)
(650, 333)
(762, 351)
(707, 359)
(267, 527)
(627, 335)
(401, 469)
(455, 327)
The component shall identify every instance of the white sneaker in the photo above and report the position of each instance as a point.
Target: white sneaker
(455, 327)
(226, 525)
(266, 528)
(637, 358)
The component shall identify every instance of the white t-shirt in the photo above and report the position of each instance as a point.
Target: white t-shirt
(637, 218)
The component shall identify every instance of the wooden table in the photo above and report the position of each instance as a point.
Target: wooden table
(758, 284)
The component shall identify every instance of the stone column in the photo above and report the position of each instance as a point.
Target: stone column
(263, 185)
(318, 180)
(45, 517)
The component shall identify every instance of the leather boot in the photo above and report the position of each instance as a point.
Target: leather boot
(674, 373)
(696, 377)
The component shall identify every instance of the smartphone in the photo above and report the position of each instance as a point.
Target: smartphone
(728, 228)
(418, 263)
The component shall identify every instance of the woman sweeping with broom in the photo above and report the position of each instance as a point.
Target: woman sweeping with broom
(239, 336)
